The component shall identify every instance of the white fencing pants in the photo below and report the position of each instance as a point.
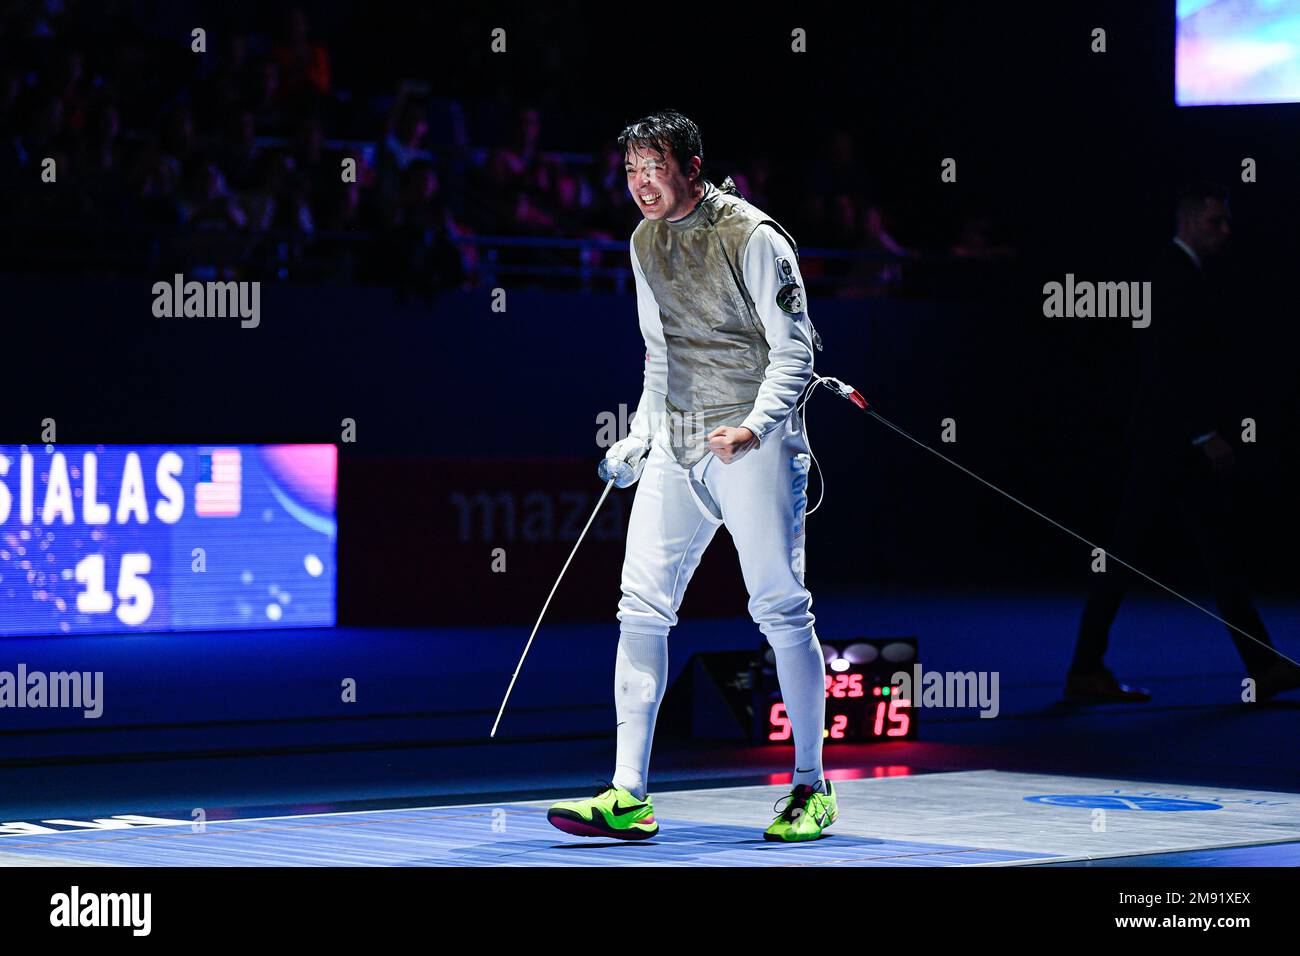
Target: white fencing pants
(762, 498)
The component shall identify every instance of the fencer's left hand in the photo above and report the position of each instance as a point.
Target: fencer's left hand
(731, 444)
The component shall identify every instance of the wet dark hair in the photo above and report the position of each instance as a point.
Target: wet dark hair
(666, 131)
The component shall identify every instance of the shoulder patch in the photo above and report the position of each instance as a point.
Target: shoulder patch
(790, 296)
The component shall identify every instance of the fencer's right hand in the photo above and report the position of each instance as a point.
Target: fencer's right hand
(631, 450)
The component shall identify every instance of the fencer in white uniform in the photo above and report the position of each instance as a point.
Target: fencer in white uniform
(760, 496)
(717, 439)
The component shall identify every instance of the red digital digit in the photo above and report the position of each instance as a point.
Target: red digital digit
(855, 685)
(838, 726)
(778, 719)
(829, 680)
(880, 718)
(841, 682)
(903, 719)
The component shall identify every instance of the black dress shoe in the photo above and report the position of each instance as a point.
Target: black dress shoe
(1102, 687)
(1281, 677)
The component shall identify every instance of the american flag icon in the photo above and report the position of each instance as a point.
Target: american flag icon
(217, 493)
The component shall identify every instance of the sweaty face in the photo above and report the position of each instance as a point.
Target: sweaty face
(659, 187)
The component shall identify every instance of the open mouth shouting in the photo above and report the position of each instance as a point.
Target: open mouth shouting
(651, 200)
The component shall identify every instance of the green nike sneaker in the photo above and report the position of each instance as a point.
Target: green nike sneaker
(809, 812)
(612, 812)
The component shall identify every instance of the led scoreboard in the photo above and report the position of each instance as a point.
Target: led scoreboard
(862, 704)
(124, 538)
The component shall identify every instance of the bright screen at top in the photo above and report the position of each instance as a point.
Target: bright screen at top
(1237, 51)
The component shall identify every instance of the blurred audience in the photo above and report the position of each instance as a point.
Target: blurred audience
(250, 143)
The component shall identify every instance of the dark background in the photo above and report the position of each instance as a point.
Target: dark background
(1071, 157)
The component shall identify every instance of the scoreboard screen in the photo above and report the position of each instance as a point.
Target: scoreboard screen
(125, 538)
(861, 702)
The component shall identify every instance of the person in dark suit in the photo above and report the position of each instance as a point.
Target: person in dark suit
(1181, 460)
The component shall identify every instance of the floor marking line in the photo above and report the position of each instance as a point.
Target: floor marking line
(123, 834)
(454, 806)
(1134, 853)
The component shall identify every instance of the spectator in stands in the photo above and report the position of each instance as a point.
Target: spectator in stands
(518, 178)
(423, 257)
(309, 156)
(99, 163)
(341, 208)
(11, 85)
(612, 191)
(262, 96)
(304, 63)
(238, 154)
(519, 165)
(153, 185)
(41, 136)
(572, 200)
(206, 201)
(179, 141)
(147, 134)
(975, 241)
(281, 201)
(403, 143)
(861, 227)
(42, 132)
(226, 88)
(66, 83)
(406, 127)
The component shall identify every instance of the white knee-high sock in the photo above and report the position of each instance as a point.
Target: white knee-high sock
(640, 672)
(801, 670)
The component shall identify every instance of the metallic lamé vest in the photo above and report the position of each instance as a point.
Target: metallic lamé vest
(717, 347)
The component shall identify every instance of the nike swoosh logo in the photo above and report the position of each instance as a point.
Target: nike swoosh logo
(624, 811)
